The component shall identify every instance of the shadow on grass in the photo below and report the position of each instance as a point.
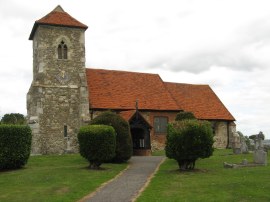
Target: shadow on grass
(179, 172)
(12, 170)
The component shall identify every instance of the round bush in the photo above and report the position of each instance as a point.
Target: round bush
(123, 150)
(15, 146)
(97, 144)
(189, 140)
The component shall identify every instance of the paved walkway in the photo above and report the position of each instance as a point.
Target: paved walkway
(128, 185)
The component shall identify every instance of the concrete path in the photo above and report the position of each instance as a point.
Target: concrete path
(130, 183)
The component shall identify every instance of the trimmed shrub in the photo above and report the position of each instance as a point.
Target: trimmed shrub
(97, 144)
(189, 140)
(15, 146)
(123, 150)
(184, 115)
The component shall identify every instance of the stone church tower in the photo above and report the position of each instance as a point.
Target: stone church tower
(57, 101)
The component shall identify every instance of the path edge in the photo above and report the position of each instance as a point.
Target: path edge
(87, 197)
(138, 194)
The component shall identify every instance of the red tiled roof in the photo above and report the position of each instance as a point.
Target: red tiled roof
(127, 114)
(57, 17)
(109, 89)
(199, 99)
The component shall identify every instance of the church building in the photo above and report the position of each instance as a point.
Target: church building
(65, 95)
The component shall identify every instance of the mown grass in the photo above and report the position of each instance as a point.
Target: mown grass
(54, 178)
(210, 181)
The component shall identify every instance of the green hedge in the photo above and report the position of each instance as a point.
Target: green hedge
(97, 144)
(15, 146)
(124, 148)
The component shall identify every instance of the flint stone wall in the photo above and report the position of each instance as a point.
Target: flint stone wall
(223, 134)
(58, 94)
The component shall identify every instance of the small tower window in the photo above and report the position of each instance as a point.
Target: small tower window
(65, 51)
(62, 50)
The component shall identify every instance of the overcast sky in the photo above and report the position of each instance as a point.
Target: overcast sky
(223, 43)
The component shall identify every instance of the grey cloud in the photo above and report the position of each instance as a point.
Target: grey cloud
(202, 61)
(257, 31)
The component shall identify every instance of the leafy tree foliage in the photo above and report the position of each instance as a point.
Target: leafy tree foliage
(184, 115)
(97, 144)
(123, 150)
(13, 118)
(189, 140)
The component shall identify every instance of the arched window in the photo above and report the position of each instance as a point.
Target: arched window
(59, 49)
(62, 50)
(65, 51)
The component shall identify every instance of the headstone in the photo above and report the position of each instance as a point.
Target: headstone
(260, 156)
(244, 162)
(243, 147)
(236, 145)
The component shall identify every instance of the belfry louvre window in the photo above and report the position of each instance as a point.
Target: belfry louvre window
(62, 50)
(160, 124)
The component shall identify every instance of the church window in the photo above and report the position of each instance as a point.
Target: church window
(160, 124)
(62, 50)
(65, 51)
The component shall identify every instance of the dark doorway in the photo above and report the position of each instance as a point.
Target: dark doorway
(140, 132)
(138, 138)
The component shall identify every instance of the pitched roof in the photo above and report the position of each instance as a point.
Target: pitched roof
(110, 89)
(130, 114)
(57, 17)
(127, 114)
(199, 99)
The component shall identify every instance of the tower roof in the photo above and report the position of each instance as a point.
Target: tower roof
(57, 17)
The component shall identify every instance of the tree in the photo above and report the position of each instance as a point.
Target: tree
(14, 118)
(184, 115)
(123, 150)
(97, 144)
(189, 140)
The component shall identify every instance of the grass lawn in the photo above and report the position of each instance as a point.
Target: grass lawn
(210, 181)
(54, 178)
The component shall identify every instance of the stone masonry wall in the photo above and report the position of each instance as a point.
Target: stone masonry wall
(221, 134)
(58, 95)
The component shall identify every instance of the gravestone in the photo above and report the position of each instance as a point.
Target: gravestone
(243, 146)
(236, 145)
(260, 156)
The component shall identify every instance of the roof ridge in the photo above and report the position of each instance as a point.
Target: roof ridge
(186, 83)
(59, 9)
(123, 71)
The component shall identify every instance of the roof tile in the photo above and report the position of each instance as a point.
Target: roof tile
(199, 99)
(109, 89)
